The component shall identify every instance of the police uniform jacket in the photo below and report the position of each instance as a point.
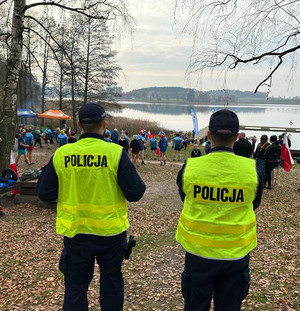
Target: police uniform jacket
(218, 221)
(128, 181)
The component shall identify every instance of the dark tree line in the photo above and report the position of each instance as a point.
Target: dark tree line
(165, 93)
(190, 95)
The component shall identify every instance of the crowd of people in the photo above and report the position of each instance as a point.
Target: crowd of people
(28, 138)
(267, 154)
(138, 145)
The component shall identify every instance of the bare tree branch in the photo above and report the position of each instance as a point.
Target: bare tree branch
(260, 57)
(64, 7)
(3, 2)
(7, 34)
(53, 51)
(269, 76)
(286, 11)
(50, 35)
(28, 49)
(243, 32)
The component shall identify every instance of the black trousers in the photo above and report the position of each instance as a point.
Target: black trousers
(77, 264)
(227, 281)
(38, 141)
(269, 166)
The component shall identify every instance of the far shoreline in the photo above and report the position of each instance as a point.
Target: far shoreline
(244, 102)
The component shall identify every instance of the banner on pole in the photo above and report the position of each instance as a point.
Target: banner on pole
(195, 121)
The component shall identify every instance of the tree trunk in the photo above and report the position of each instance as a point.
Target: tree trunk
(24, 87)
(8, 108)
(30, 93)
(61, 87)
(25, 77)
(73, 85)
(19, 94)
(44, 79)
(87, 68)
(30, 75)
(73, 102)
(61, 77)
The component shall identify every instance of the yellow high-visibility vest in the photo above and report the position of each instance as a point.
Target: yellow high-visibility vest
(90, 200)
(217, 220)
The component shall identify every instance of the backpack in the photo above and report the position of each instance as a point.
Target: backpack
(10, 182)
(3, 185)
(30, 174)
(8, 173)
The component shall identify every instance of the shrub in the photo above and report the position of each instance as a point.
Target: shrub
(133, 126)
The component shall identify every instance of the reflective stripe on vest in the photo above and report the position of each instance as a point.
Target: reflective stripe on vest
(89, 198)
(218, 220)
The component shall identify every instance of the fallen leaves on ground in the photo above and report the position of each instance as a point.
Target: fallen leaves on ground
(30, 250)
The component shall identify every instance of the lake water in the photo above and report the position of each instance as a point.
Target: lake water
(178, 117)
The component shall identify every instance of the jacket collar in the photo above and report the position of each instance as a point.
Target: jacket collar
(221, 149)
(91, 135)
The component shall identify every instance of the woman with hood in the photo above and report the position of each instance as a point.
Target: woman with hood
(124, 142)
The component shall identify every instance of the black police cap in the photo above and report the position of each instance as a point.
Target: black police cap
(91, 113)
(224, 122)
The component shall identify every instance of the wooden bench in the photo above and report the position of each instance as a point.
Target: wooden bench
(8, 189)
(27, 194)
(27, 187)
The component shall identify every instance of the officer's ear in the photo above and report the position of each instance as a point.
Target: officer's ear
(79, 124)
(103, 125)
(208, 135)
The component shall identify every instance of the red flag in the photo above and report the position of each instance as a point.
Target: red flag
(13, 166)
(286, 155)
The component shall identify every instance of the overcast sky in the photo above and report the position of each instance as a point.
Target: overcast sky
(158, 56)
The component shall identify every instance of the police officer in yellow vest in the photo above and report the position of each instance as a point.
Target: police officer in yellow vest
(217, 226)
(91, 180)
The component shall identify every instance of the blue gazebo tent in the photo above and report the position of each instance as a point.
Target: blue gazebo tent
(26, 113)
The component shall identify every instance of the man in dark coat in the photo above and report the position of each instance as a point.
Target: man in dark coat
(242, 147)
(272, 156)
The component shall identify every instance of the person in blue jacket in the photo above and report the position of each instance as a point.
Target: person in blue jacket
(107, 136)
(143, 143)
(48, 137)
(177, 143)
(163, 145)
(29, 140)
(62, 138)
(153, 147)
(115, 136)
